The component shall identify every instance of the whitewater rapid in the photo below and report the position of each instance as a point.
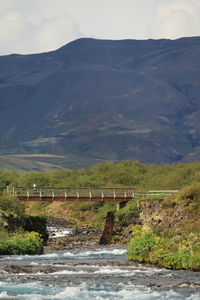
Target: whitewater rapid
(97, 273)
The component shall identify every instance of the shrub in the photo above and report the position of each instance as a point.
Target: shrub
(167, 259)
(175, 252)
(141, 245)
(22, 243)
(195, 261)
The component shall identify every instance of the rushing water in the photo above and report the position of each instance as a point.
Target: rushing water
(96, 273)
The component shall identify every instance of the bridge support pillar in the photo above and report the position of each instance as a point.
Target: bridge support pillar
(121, 204)
(108, 229)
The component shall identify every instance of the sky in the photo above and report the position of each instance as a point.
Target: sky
(34, 26)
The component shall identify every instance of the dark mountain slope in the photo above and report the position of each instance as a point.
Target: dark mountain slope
(104, 99)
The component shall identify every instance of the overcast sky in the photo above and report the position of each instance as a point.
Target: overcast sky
(31, 26)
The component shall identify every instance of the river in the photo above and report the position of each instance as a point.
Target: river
(93, 273)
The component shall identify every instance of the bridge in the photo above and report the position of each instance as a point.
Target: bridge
(73, 194)
(82, 194)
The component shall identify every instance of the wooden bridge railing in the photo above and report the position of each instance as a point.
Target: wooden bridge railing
(82, 194)
(71, 194)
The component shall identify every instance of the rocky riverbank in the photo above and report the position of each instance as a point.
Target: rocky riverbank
(76, 238)
(65, 236)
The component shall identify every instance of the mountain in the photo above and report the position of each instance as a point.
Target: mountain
(104, 100)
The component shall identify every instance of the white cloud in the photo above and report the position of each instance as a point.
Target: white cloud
(31, 29)
(43, 25)
(176, 18)
(15, 27)
(55, 32)
(29, 26)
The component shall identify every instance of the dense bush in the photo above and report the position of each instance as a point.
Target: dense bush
(21, 243)
(176, 252)
(141, 245)
(108, 174)
(126, 173)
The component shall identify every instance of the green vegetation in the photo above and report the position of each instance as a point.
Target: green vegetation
(174, 245)
(6, 177)
(126, 215)
(10, 204)
(189, 195)
(21, 234)
(167, 246)
(20, 243)
(141, 245)
(108, 174)
(102, 213)
(91, 214)
(181, 251)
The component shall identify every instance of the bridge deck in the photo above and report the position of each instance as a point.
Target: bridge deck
(71, 194)
(82, 194)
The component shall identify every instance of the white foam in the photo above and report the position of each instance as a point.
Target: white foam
(4, 295)
(29, 274)
(96, 253)
(85, 291)
(38, 291)
(71, 293)
(3, 272)
(94, 270)
(30, 257)
(48, 255)
(90, 253)
(67, 272)
(194, 297)
(105, 270)
(31, 297)
(55, 232)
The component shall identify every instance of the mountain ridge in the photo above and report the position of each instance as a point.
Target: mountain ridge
(104, 99)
